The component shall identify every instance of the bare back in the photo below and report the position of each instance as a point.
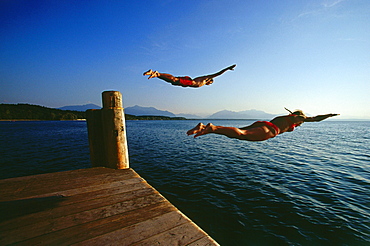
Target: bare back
(288, 122)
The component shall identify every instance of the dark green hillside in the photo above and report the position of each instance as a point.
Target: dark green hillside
(35, 112)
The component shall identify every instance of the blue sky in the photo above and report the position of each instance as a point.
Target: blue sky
(309, 55)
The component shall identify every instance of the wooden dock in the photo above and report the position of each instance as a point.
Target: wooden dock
(95, 206)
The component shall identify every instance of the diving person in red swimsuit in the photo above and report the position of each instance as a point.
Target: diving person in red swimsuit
(259, 130)
(186, 81)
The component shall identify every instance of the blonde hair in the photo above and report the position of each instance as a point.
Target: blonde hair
(297, 112)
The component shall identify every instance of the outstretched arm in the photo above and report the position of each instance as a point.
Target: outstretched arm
(211, 76)
(223, 70)
(319, 117)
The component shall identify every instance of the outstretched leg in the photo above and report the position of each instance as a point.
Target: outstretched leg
(151, 73)
(164, 76)
(255, 134)
(211, 76)
(231, 132)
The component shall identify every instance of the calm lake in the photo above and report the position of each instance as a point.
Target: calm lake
(308, 187)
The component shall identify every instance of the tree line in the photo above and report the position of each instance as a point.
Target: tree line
(36, 112)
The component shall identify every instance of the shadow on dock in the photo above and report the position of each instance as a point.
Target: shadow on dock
(18, 208)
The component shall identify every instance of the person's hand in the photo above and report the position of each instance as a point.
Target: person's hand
(232, 67)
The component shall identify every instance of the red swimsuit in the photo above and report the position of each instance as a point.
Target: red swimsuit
(186, 80)
(277, 130)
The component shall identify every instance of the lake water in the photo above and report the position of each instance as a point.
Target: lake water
(308, 187)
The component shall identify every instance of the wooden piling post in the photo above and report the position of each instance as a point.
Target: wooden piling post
(107, 133)
(114, 130)
(96, 139)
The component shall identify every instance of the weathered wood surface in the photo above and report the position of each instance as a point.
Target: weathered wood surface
(107, 133)
(96, 206)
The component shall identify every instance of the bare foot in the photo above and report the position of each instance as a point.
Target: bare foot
(154, 75)
(207, 129)
(196, 129)
(149, 72)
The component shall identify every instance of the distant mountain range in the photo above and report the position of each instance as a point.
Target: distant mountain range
(80, 107)
(246, 114)
(144, 111)
(189, 116)
(151, 111)
(224, 114)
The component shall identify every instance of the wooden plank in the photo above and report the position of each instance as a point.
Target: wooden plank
(73, 208)
(98, 191)
(72, 174)
(174, 236)
(49, 223)
(204, 241)
(137, 232)
(33, 185)
(78, 194)
(91, 206)
(26, 208)
(97, 228)
(94, 187)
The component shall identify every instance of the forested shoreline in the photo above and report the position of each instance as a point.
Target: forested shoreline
(35, 112)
